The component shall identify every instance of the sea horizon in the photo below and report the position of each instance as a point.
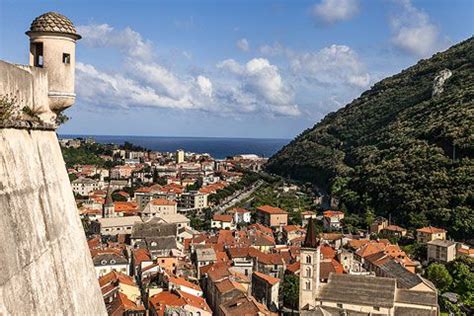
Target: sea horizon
(217, 147)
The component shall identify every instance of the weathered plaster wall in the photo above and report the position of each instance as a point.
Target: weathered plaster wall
(45, 265)
(29, 85)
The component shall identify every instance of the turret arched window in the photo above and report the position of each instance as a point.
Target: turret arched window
(308, 272)
(308, 259)
(308, 285)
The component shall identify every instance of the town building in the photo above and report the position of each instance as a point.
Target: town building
(193, 200)
(272, 216)
(393, 231)
(265, 289)
(159, 208)
(240, 215)
(332, 219)
(357, 294)
(377, 225)
(84, 186)
(204, 256)
(242, 304)
(429, 233)
(441, 250)
(114, 225)
(106, 261)
(222, 221)
(178, 303)
(179, 156)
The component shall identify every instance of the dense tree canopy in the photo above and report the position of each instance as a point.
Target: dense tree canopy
(399, 149)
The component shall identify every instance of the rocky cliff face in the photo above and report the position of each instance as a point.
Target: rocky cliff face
(45, 265)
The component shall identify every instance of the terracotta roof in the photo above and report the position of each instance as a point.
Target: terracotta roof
(394, 228)
(228, 285)
(270, 258)
(121, 304)
(294, 267)
(328, 267)
(141, 255)
(262, 228)
(126, 207)
(53, 22)
(183, 282)
(328, 252)
(431, 230)
(267, 278)
(94, 242)
(163, 202)
(143, 190)
(238, 252)
(244, 305)
(166, 298)
(330, 213)
(291, 228)
(210, 268)
(222, 218)
(194, 301)
(221, 256)
(370, 248)
(115, 276)
(464, 251)
(271, 209)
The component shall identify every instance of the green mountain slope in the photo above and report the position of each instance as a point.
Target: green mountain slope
(398, 149)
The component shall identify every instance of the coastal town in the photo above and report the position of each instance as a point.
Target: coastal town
(370, 212)
(185, 234)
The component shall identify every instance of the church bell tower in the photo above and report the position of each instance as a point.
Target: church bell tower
(310, 259)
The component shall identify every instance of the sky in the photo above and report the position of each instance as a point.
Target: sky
(257, 69)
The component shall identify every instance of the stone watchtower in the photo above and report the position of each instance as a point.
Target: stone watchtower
(53, 47)
(45, 263)
(310, 259)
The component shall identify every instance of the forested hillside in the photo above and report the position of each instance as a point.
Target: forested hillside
(405, 147)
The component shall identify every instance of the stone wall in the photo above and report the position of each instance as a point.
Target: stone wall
(29, 86)
(45, 265)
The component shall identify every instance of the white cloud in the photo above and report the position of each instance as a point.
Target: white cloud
(230, 65)
(205, 85)
(272, 50)
(333, 65)
(243, 44)
(413, 32)
(332, 11)
(259, 84)
(142, 81)
(127, 41)
(113, 89)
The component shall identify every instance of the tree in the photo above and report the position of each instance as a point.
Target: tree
(291, 289)
(462, 271)
(117, 197)
(439, 275)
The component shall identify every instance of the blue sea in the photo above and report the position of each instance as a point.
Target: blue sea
(217, 147)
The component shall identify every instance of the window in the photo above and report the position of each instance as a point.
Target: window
(308, 259)
(308, 285)
(376, 308)
(308, 272)
(38, 54)
(339, 305)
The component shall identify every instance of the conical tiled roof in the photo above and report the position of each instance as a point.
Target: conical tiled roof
(312, 237)
(53, 22)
